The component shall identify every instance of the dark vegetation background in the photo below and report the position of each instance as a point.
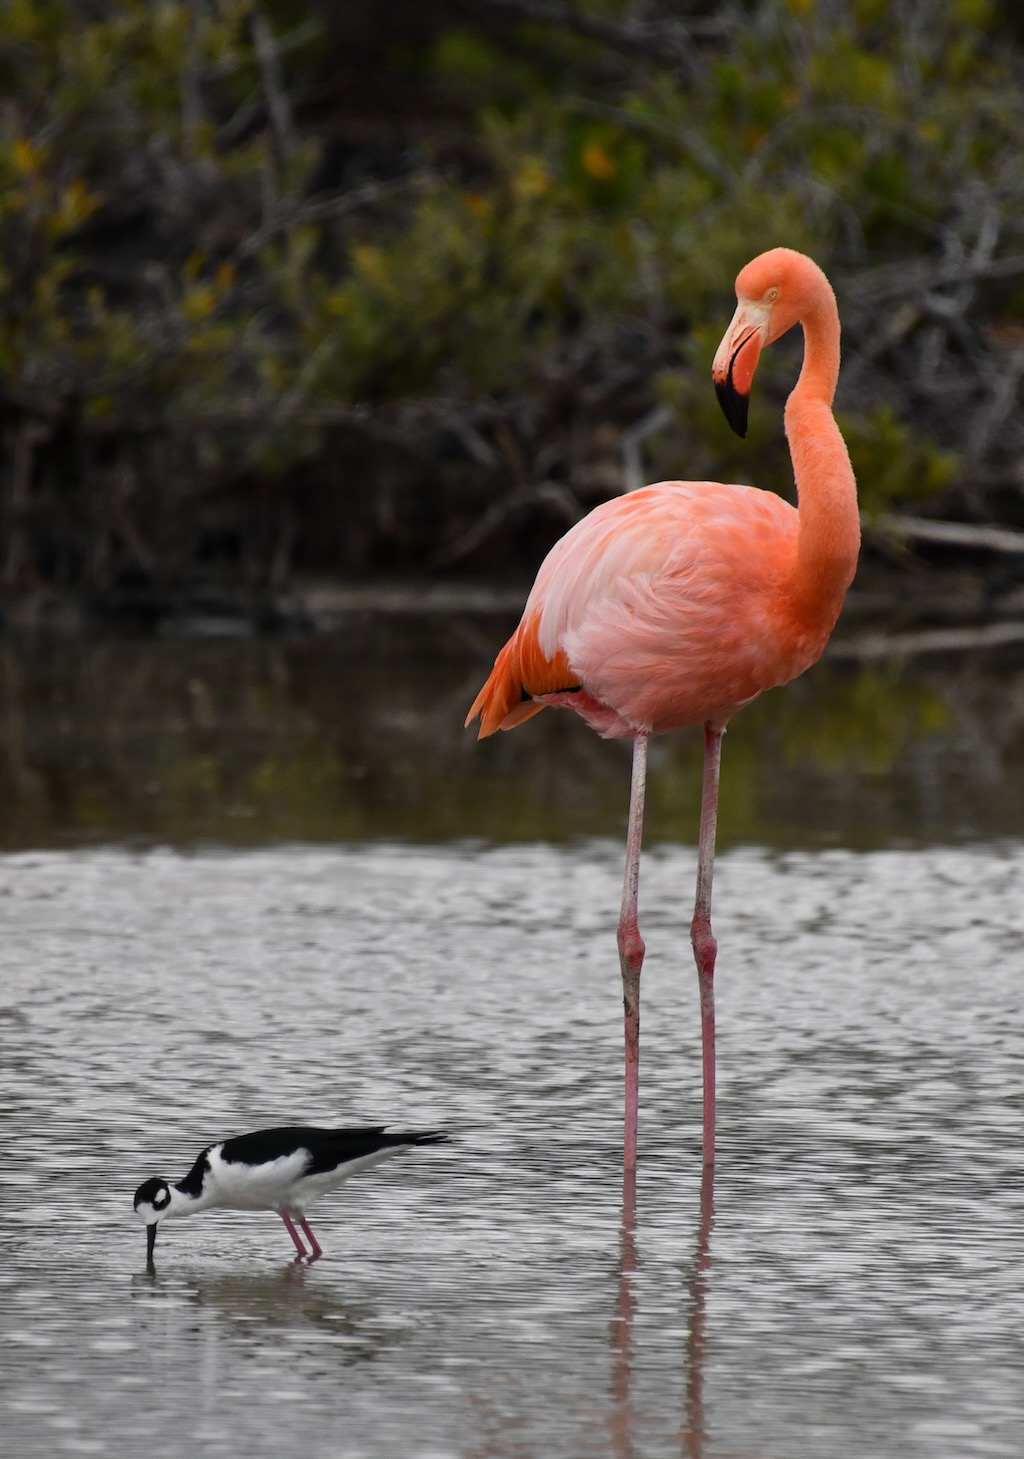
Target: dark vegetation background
(306, 291)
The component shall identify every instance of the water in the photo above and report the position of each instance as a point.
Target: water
(243, 883)
(360, 737)
(851, 1286)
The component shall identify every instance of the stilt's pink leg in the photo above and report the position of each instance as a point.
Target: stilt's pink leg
(292, 1231)
(704, 945)
(631, 945)
(317, 1249)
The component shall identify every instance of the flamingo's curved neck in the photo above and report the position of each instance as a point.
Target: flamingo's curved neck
(829, 535)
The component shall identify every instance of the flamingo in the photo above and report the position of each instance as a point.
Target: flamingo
(680, 603)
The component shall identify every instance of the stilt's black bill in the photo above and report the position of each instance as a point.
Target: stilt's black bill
(150, 1240)
(734, 405)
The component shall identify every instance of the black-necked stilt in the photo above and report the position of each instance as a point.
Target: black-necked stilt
(282, 1169)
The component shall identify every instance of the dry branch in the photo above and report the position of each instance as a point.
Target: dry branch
(664, 40)
(968, 535)
(546, 493)
(970, 639)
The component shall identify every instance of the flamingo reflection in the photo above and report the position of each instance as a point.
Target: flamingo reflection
(693, 1418)
(621, 1420)
(621, 1414)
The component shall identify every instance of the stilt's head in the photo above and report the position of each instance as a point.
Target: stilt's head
(152, 1203)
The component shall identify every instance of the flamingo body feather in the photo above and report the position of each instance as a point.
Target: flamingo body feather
(661, 609)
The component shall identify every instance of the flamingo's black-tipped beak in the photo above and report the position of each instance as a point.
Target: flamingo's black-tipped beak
(732, 369)
(734, 404)
(150, 1240)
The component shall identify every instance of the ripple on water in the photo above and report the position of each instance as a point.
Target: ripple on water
(858, 1291)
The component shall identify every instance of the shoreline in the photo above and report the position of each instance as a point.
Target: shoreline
(892, 611)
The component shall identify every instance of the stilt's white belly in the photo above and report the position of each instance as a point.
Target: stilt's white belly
(281, 1182)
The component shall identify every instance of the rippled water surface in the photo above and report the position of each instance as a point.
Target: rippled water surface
(851, 1287)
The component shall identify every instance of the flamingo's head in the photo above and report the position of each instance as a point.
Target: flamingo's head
(773, 292)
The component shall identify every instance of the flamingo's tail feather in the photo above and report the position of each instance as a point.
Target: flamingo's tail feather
(520, 675)
(502, 701)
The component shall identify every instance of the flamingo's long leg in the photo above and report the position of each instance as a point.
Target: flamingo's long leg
(317, 1249)
(704, 945)
(289, 1225)
(631, 944)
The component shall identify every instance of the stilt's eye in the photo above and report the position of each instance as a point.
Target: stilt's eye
(161, 1199)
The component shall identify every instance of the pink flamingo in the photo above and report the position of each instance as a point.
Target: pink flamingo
(678, 604)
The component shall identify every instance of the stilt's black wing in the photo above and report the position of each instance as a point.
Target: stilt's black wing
(327, 1148)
